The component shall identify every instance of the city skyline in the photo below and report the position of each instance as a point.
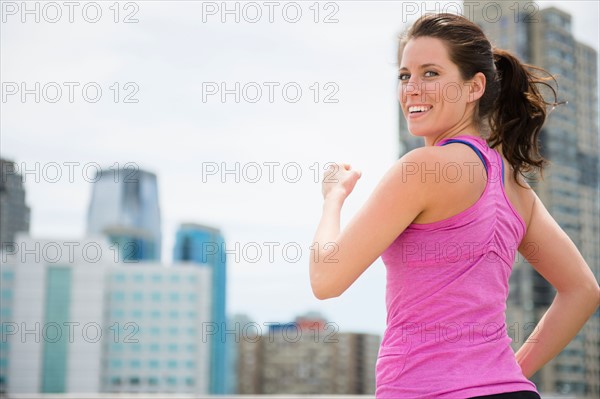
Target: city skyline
(183, 134)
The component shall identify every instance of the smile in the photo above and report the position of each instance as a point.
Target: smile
(418, 110)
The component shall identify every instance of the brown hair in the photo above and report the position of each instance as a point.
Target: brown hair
(512, 104)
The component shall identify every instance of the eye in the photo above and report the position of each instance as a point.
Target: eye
(430, 74)
(403, 76)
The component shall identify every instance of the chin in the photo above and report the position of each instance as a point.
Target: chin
(418, 132)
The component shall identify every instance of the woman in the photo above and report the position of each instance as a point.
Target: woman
(447, 220)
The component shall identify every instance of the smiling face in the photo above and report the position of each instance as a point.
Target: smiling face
(435, 100)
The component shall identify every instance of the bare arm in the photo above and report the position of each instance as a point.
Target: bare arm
(344, 255)
(551, 252)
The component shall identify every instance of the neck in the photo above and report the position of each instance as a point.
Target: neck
(470, 130)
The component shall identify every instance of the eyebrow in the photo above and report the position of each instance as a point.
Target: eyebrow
(425, 66)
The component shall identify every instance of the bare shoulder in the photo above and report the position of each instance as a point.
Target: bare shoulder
(451, 177)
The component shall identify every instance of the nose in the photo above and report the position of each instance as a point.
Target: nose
(413, 86)
(410, 88)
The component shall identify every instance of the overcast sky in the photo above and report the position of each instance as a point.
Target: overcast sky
(171, 61)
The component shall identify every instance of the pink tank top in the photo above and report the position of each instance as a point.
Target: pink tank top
(446, 292)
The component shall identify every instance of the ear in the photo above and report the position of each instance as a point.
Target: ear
(476, 87)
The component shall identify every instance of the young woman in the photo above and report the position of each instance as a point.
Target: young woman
(447, 220)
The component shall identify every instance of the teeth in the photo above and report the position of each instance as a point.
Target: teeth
(421, 108)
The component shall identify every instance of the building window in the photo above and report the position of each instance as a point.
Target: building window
(156, 278)
(118, 296)
(154, 347)
(155, 314)
(190, 364)
(116, 364)
(171, 380)
(172, 364)
(115, 381)
(156, 296)
(8, 275)
(135, 364)
(135, 347)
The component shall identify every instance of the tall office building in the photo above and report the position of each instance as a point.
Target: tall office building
(308, 356)
(6, 304)
(74, 321)
(158, 321)
(569, 140)
(205, 247)
(14, 212)
(53, 315)
(124, 206)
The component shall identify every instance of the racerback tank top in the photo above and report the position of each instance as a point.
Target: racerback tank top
(446, 292)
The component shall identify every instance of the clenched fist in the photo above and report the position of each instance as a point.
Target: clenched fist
(339, 179)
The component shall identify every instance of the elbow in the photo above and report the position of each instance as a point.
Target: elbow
(589, 295)
(594, 294)
(322, 294)
(322, 290)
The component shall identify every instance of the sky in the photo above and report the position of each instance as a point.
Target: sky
(316, 83)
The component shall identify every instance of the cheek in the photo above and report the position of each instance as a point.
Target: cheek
(405, 90)
(451, 93)
(431, 92)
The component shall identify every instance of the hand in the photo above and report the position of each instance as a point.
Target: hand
(339, 179)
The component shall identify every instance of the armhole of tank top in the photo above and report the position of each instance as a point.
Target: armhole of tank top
(477, 152)
(502, 162)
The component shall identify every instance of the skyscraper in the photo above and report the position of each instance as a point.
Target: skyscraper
(569, 140)
(52, 322)
(124, 206)
(14, 212)
(205, 246)
(162, 315)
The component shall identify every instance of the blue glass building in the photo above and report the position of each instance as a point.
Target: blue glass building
(205, 246)
(124, 206)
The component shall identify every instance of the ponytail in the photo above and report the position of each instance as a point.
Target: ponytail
(518, 113)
